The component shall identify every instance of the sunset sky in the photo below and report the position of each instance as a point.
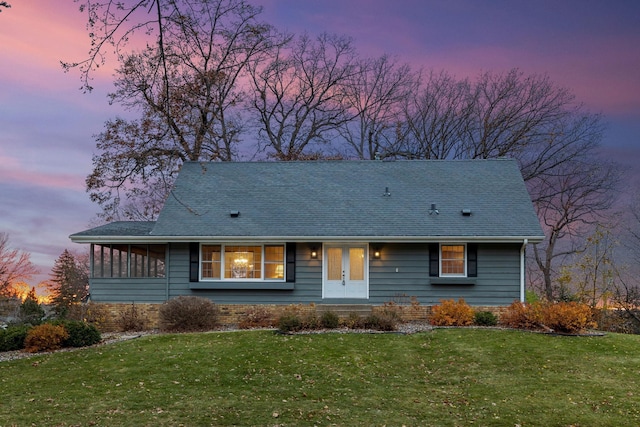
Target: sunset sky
(47, 124)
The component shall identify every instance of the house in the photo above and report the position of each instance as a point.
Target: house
(325, 232)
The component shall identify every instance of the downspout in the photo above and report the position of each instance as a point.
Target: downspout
(522, 269)
(167, 273)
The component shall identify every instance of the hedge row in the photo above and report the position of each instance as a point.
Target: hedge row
(49, 336)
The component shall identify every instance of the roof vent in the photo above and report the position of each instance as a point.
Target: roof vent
(466, 212)
(386, 192)
(434, 209)
(234, 214)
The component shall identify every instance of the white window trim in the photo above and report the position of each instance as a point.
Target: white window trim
(465, 260)
(262, 265)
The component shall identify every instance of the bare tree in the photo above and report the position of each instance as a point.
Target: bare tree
(511, 109)
(375, 93)
(436, 118)
(14, 266)
(577, 194)
(626, 294)
(4, 4)
(298, 96)
(185, 86)
(595, 272)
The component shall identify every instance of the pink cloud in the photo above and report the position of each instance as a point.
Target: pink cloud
(14, 172)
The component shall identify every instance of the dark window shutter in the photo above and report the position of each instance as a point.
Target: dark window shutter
(194, 262)
(434, 260)
(472, 260)
(291, 262)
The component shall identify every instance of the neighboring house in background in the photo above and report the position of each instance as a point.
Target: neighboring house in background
(325, 232)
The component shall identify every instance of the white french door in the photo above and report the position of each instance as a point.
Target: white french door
(345, 272)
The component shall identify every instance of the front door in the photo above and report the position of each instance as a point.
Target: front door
(345, 271)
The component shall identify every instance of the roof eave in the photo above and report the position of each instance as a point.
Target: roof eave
(260, 239)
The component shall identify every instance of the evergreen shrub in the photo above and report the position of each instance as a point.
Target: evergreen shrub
(81, 334)
(329, 320)
(289, 323)
(485, 318)
(13, 337)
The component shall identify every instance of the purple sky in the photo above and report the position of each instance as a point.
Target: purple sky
(46, 123)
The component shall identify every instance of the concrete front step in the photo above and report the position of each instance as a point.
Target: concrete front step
(344, 310)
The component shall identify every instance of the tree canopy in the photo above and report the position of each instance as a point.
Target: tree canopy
(209, 80)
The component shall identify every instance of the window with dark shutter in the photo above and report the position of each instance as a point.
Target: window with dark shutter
(434, 260)
(194, 261)
(291, 262)
(472, 260)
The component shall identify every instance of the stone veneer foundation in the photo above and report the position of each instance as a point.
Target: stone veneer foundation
(108, 315)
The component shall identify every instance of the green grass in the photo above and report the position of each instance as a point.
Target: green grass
(448, 377)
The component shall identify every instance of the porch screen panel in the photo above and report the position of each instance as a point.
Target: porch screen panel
(122, 260)
(119, 260)
(98, 261)
(356, 263)
(139, 261)
(334, 264)
(157, 254)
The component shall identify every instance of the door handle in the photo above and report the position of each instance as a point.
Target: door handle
(343, 278)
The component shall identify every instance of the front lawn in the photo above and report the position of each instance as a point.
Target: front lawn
(447, 377)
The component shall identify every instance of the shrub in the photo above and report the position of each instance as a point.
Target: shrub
(485, 318)
(13, 337)
(567, 317)
(354, 321)
(531, 296)
(289, 323)
(256, 317)
(130, 319)
(46, 337)
(452, 313)
(81, 334)
(522, 316)
(31, 312)
(310, 321)
(392, 310)
(621, 321)
(329, 320)
(89, 312)
(380, 322)
(188, 314)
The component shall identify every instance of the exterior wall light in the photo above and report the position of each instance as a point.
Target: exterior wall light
(376, 253)
(314, 253)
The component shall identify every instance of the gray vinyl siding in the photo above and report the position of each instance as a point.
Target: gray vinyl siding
(402, 272)
(139, 290)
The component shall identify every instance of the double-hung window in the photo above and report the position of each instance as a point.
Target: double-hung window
(453, 260)
(242, 262)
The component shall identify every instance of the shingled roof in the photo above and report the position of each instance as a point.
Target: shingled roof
(366, 200)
